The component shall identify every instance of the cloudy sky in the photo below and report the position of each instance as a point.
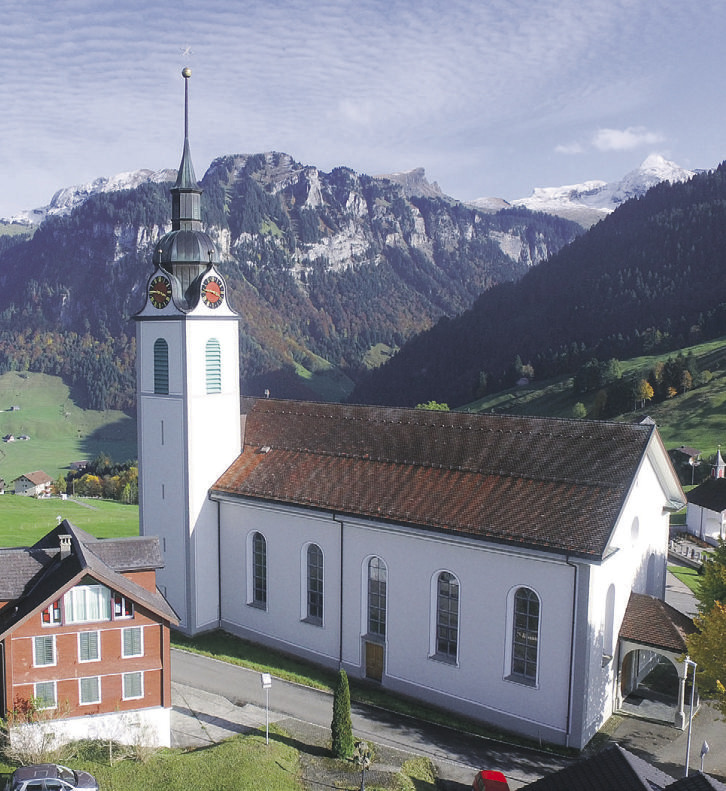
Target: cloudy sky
(491, 97)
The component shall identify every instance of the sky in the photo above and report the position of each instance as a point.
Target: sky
(492, 97)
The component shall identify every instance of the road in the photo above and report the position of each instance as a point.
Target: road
(457, 755)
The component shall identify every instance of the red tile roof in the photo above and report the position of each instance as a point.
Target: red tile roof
(542, 482)
(652, 622)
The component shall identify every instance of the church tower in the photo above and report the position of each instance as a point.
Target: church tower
(188, 401)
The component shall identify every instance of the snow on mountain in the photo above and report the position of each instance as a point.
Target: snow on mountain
(66, 199)
(589, 202)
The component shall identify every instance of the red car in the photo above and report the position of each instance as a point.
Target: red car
(486, 780)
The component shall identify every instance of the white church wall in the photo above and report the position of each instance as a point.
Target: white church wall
(282, 623)
(705, 524)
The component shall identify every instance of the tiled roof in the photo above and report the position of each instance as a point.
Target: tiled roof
(711, 494)
(41, 575)
(37, 478)
(540, 482)
(652, 622)
(697, 782)
(613, 769)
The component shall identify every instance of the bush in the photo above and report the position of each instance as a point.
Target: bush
(341, 726)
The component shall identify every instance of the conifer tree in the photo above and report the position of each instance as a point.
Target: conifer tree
(341, 726)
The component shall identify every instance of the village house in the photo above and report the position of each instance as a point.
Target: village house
(33, 484)
(84, 638)
(483, 563)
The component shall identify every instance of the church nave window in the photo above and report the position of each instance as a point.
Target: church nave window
(525, 636)
(259, 572)
(377, 594)
(314, 564)
(447, 617)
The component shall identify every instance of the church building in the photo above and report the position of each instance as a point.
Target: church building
(482, 563)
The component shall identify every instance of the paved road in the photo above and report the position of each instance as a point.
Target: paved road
(457, 755)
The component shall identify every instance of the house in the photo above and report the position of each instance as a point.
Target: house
(33, 484)
(706, 511)
(483, 563)
(84, 636)
(617, 768)
(9, 438)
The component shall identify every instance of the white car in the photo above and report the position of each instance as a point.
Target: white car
(50, 777)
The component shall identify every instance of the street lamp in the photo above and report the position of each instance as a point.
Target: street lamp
(362, 758)
(266, 681)
(688, 662)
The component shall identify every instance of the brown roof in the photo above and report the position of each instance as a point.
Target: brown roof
(37, 478)
(34, 576)
(541, 482)
(653, 622)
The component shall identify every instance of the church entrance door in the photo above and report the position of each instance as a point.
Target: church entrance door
(374, 661)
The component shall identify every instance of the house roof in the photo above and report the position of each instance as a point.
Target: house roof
(711, 494)
(37, 478)
(652, 622)
(553, 484)
(697, 782)
(612, 768)
(32, 577)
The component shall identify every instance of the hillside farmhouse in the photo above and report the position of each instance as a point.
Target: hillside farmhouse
(84, 633)
(33, 484)
(483, 563)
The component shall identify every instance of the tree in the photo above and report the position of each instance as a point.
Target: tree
(642, 392)
(341, 727)
(433, 405)
(713, 580)
(579, 411)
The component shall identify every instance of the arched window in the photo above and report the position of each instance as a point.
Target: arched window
(447, 616)
(377, 580)
(525, 636)
(315, 584)
(213, 358)
(259, 571)
(161, 367)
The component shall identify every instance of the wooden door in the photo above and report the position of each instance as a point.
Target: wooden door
(374, 661)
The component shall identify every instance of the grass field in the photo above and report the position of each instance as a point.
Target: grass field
(688, 576)
(23, 520)
(60, 432)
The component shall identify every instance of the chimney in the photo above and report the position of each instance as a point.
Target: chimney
(65, 545)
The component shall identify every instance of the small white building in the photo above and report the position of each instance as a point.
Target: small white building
(706, 512)
(33, 484)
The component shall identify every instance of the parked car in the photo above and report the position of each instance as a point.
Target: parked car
(50, 777)
(488, 780)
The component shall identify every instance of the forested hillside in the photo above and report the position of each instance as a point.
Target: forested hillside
(651, 277)
(322, 267)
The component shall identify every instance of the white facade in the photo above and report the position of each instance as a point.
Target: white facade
(187, 437)
(706, 524)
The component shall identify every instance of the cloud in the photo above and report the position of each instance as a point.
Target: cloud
(570, 148)
(625, 139)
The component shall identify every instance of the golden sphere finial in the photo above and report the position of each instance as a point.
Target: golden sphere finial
(186, 72)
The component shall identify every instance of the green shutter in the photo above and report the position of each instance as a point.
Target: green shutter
(161, 367)
(213, 357)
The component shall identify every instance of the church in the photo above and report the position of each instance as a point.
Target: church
(482, 563)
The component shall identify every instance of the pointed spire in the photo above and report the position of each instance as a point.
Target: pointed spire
(186, 179)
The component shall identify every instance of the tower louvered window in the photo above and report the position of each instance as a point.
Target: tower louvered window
(161, 367)
(214, 366)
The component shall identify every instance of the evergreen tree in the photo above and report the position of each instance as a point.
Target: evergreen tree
(341, 726)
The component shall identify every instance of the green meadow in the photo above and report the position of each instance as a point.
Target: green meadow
(60, 431)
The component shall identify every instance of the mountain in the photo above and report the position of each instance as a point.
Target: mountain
(327, 271)
(649, 277)
(589, 202)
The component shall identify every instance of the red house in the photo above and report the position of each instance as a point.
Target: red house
(84, 636)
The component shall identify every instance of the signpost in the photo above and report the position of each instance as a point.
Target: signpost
(266, 681)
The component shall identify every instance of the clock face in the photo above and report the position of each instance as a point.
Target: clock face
(160, 291)
(213, 292)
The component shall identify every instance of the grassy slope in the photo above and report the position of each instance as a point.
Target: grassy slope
(60, 432)
(23, 520)
(697, 418)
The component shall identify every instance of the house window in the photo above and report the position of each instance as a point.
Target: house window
(86, 603)
(122, 607)
(259, 571)
(377, 580)
(525, 636)
(44, 693)
(133, 685)
(213, 358)
(89, 646)
(161, 367)
(132, 642)
(44, 650)
(89, 690)
(447, 616)
(315, 584)
(51, 615)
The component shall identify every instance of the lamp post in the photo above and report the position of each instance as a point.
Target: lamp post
(362, 758)
(266, 681)
(688, 662)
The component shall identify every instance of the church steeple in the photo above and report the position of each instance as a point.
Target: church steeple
(186, 251)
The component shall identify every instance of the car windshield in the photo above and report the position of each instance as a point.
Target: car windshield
(66, 774)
